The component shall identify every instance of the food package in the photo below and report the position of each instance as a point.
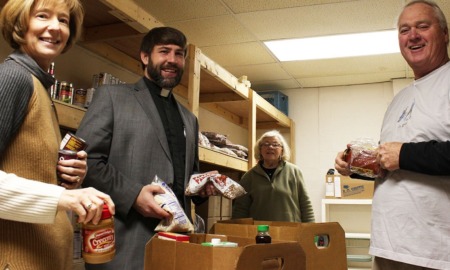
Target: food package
(178, 221)
(226, 186)
(361, 155)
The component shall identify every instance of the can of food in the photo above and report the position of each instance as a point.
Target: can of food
(65, 94)
(72, 142)
(79, 97)
(65, 155)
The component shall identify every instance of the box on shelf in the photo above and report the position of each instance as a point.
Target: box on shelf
(329, 254)
(277, 99)
(171, 255)
(339, 186)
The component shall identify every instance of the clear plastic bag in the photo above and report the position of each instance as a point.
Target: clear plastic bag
(361, 155)
(178, 221)
(226, 186)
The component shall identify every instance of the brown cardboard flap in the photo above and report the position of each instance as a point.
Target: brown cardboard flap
(170, 255)
(330, 257)
(272, 256)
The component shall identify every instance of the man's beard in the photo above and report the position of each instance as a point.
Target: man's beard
(154, 72)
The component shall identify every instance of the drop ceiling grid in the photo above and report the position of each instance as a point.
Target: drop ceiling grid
(309, 21)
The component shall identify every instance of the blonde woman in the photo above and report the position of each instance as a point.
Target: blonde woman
(35, 232)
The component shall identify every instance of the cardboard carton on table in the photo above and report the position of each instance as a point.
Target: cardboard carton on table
(323, 243)
(171, 255)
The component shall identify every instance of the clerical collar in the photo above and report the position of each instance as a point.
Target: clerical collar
(165, 92)
(156, 89)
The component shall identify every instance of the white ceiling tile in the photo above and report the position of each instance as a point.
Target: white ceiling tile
(220, 30)
(239, 54)
(179, 10)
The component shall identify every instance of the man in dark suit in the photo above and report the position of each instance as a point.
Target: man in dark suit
(136, 132)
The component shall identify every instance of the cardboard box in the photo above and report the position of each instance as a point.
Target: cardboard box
(170, 255)
(339, 186)
(331, 256)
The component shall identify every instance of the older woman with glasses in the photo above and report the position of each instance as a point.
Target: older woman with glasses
(275, 187)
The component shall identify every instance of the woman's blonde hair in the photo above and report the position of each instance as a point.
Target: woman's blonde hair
(285, 152)
(15, 19)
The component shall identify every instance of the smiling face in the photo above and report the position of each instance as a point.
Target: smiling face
(423, 43)
(47, 33)
(165, 65)
(271, 150)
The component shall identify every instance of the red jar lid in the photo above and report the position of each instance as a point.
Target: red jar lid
(105, 212)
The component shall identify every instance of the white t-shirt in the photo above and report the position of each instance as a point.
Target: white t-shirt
(411, 211)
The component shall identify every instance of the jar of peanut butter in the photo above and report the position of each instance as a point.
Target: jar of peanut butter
(98, 240)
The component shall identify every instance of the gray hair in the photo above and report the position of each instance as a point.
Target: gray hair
(437, 11)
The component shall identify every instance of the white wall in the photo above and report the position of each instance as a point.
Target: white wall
(326, 120)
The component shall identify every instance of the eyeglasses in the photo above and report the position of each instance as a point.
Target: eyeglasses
(274, 145)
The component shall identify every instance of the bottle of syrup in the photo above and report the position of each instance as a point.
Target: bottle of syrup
(263, 236)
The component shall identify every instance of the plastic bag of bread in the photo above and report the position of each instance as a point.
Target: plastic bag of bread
(178, 221)
(361, 155)
(226, 186)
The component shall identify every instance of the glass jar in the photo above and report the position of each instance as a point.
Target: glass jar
(263, 236)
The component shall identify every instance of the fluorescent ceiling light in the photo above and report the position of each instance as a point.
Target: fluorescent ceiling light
(336, 46)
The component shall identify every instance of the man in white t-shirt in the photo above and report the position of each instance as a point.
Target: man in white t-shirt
(410, 212)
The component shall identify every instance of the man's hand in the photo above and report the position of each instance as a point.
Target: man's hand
(341, 165)
(389, 155)
(146, 205)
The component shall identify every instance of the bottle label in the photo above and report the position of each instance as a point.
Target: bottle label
(98, 241)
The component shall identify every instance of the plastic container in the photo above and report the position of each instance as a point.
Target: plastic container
(99, 240)
(263, 236)
(216, 242)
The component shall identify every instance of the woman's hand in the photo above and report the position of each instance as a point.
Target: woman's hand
(87, 203)
(72, 171)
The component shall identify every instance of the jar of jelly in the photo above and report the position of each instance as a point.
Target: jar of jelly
(98, 240)
(263, 236)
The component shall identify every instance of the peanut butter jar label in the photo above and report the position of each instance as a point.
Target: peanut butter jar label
(98, 241)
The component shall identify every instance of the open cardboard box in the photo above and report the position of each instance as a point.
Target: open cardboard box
(329, 254)
(170, 255)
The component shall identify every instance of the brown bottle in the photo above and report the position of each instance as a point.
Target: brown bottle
(263, 236)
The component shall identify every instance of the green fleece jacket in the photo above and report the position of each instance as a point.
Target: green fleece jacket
(282, 198)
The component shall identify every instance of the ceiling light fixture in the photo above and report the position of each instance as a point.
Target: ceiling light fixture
(336, 46)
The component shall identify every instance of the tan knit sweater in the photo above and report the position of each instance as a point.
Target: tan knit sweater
(33, 154)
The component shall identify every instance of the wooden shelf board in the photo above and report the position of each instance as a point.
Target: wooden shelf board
(214, 157)
(69, 116)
